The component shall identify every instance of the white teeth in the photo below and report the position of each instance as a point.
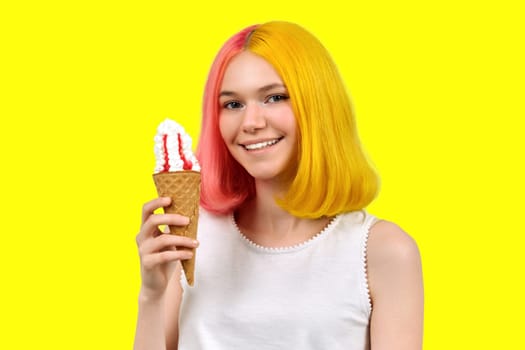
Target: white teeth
(261, 144)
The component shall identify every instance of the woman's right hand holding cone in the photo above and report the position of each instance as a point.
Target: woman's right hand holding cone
(158, 251)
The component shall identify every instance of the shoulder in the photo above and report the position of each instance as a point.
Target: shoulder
(389, 243)
(393, 259)
(396, 288)
(206, 217)
(211, 225)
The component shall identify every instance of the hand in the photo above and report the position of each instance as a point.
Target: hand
(158, 251)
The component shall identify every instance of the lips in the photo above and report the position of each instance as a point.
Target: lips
(252, 146)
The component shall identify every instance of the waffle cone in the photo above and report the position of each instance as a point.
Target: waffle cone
(184, 189)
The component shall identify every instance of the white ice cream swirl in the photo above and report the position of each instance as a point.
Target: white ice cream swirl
(167, 139)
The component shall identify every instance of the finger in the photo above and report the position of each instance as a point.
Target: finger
(166, 242)
(157, 220)
(149, 207)
(145, 233)
(142, 236)
(153, 260)
(150, 228)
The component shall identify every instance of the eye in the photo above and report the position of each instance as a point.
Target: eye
(277, 98)
(232, 105)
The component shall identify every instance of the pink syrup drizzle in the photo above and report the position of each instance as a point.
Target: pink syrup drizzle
(187, 163)
(165, 146)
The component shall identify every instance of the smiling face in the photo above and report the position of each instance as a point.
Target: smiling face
(257, 122)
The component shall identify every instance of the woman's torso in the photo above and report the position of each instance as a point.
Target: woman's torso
(309, 296)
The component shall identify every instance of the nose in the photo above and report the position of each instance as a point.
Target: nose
(254, 118)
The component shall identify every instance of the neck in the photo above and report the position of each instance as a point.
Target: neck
(267, 224)
(263, 208)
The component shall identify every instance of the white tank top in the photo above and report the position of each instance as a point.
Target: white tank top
(310, 296)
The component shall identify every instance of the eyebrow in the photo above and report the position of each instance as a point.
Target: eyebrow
(261, 89)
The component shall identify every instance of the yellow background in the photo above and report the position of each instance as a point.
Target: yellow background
(438, 91)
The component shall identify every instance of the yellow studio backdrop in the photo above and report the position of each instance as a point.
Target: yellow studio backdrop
(438, 92)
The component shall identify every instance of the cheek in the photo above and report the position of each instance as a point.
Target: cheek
(225, 128)
(291, 127)
(288, 121)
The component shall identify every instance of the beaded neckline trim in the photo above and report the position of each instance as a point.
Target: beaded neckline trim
(285, 249)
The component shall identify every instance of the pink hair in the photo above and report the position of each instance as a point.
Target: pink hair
(225, 185)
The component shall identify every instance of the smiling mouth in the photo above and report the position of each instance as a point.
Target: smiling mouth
(261, 145)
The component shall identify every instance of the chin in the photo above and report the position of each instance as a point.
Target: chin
(281, 175)
(262, 173)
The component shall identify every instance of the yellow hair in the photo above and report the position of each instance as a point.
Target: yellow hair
(332, 173)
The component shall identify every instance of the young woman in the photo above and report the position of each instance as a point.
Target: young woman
(287, 256)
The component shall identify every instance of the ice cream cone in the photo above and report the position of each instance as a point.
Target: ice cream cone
(184, 189)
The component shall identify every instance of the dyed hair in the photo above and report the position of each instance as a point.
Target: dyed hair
(333, 173)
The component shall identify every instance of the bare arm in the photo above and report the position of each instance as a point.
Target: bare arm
(396, 288)
(153, 313)
(160, 293)
(172, 306)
